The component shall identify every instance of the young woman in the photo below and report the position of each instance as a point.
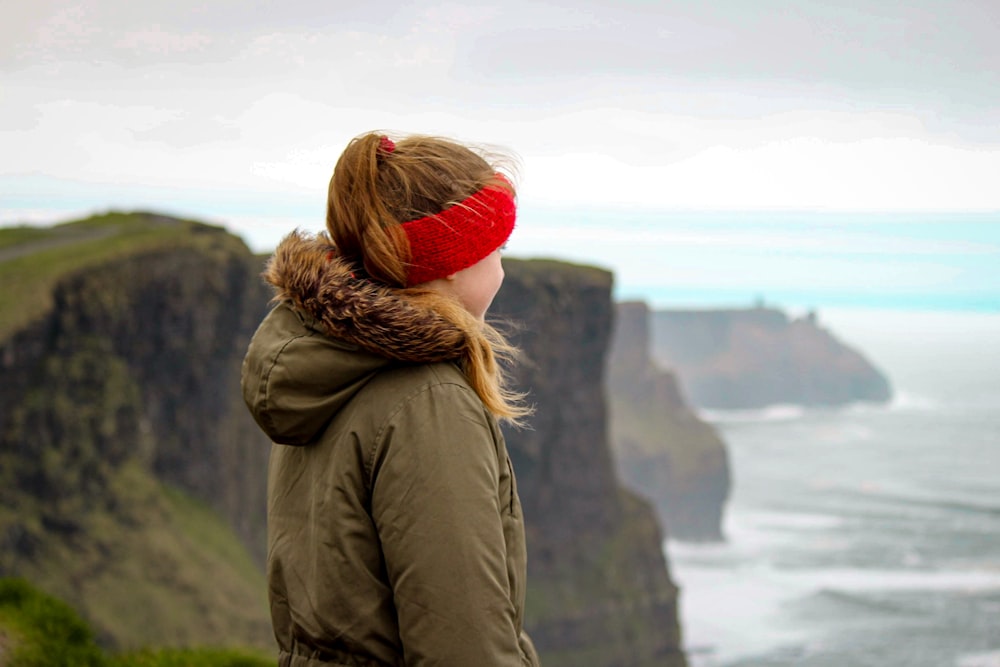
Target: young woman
(395, 534)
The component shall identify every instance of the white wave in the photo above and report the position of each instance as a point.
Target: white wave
(865, 580)
(989, 659)
(795, 520)
(865, 408)
(752, 622)
(902, 401)
(909, 401)
(752, 539)
(760, 599)
(905, 401)
(772, 413)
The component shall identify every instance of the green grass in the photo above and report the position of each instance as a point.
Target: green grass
(547, 270)
(12, 236)
(181, 578)
(33, 260)
(158, 570)
(38, 630)
(202, 526)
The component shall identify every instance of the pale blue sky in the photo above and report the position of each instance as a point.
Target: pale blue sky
(913, 261)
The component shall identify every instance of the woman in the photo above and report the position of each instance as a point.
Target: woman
(395, 534)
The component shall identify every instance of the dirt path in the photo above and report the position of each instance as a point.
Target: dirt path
(63, 238)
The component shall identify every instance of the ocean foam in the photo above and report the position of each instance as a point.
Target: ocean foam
(772, 413)
(868, 580)
(991, 659)
(905, 401)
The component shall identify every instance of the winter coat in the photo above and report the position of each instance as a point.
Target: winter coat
(395, 534)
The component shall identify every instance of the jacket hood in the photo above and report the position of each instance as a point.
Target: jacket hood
(329, 334)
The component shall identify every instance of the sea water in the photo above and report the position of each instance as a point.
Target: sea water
(863, 535)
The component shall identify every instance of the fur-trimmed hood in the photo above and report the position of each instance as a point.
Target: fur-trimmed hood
(306, 271)
(328, 336)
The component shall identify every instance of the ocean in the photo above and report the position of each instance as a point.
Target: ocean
(862, 535)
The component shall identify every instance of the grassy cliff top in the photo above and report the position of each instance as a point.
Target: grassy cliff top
(34, 259)
(548, 270)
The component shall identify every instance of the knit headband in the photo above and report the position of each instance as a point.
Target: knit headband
(459, 236)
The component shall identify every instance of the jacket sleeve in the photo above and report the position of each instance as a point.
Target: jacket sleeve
(436, 506)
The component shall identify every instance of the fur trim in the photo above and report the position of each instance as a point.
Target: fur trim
(306, 271)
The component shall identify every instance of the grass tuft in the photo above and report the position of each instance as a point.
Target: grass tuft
(38, 630)
(42, 630)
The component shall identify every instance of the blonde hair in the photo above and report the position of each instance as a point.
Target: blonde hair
(373, 191)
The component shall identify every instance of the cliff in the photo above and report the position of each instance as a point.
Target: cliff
(599, 588)
(663, 449)
(752, 358)
(127, 486)
(132, 478)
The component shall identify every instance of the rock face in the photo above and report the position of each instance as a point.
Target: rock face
(154, 339)
(599, 587)
(123, 440)
(663, 449)
(126, 388)
(736, 359)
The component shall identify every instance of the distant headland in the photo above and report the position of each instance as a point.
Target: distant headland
(759, 356)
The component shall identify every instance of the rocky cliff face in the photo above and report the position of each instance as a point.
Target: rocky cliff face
(731, 359)
(663, 449)
(154, 339)
(124, 389)
(600, 588)
(122, 434)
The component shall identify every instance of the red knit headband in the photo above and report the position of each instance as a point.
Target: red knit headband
(459, 236)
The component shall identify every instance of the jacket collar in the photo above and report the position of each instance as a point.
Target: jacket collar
(390, 322)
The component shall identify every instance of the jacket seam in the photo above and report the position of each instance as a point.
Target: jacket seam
(510, 471)
(427, 386)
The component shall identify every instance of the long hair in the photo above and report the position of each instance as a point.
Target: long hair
(373, 191)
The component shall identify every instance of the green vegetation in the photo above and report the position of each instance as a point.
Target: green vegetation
(11, 236)
(532, 271)
(149, 567)
(83, 514)
(33, 260)
(37, 630)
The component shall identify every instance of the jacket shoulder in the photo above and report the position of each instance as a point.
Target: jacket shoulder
(403, 380)
(420, 406)
(397, 391)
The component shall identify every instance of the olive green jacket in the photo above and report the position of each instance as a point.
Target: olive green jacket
(395, 534)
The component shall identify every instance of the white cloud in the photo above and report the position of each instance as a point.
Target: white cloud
(158, 41)
(724, 106)
(800, 172)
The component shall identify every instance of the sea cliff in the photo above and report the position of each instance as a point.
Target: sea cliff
(601, 593)
(127, 486)
(662, 448)
(755, 357)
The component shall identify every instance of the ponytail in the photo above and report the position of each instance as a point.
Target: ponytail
(364, 229)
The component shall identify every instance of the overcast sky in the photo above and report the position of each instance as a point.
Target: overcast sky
(236, 111)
